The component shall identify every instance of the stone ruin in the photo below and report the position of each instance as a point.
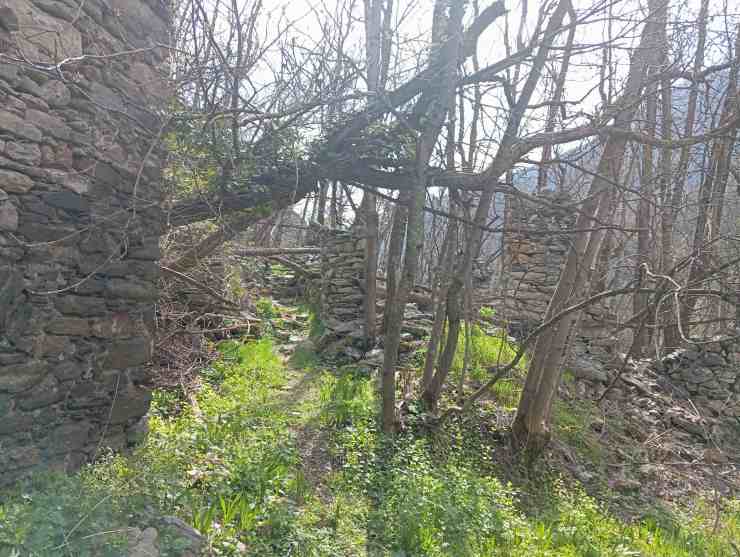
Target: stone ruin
(708, 374)
(79, 225)
(341, 291)
(535, 247)
(534, 251)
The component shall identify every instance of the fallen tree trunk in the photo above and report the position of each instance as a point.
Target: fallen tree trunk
(270, 252)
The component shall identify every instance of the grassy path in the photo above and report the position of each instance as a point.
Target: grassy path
(283, 459)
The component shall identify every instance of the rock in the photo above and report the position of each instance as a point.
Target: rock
(183, 530)
(713, 455)
(55, 92)
(143, 544)
(131, 289)
(17, 378)
(697, 375)
(352, 353)
(23, 152)
(589, 370)
(14, 182)
(128, 353)
(68, 200)
(692, 426)
(80, 306)
(625, 485)
(8, 216)
(713, 359)
(70, 326)
(130, 404)
(16, 125)
(49, 123)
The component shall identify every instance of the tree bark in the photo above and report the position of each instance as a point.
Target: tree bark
(531, 428)
(437, 98)
(671, 335)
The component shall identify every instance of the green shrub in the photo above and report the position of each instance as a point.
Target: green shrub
(347, 399)
(316, 326)
(440, 510)
(486, 351)
(487, 313)
(265, 308)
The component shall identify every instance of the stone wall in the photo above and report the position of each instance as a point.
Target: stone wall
(535, 249)
(708, 374)
(342, 290)
(536, 244)
(79, 224)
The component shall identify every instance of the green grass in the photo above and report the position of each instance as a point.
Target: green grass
(486, 351)
(235, 469)
(572, 421)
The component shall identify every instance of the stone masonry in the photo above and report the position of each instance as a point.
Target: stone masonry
(81, 87)
(535, 249)
(342, 288)
(707, 373)
(536, 244)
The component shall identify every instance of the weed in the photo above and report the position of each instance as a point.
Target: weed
(234, 471)
(347, 399)
(265, 309)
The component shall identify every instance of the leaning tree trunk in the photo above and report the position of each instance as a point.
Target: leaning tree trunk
(671, 334)
(502, 163)
(227, 231)
(712, 194)
(531, 428)
(431, 383)
(437, 99)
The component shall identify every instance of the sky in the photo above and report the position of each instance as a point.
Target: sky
(412, 21)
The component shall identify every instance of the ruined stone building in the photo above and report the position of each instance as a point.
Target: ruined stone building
(82, 85)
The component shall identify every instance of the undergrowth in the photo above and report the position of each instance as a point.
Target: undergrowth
(233, 467)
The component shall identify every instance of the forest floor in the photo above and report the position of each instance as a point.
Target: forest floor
(276, 452)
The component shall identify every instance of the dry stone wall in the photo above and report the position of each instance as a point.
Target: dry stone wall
(538, 235)
(535, 249)
(342, 290)
(81, 87)
(708, 374)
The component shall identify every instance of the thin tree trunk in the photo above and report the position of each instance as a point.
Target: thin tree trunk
(531, 426)
(553, 109)
(642, 259)
(469, 324)
(321, 218)
(369, 210)
(437, 98)
(391, 322)
(671, 335)
(439, 294)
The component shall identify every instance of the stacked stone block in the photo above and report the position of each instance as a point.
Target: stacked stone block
(81, 90)
(537, 238)
(342, 285)
(709, 374)
(535, 249)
